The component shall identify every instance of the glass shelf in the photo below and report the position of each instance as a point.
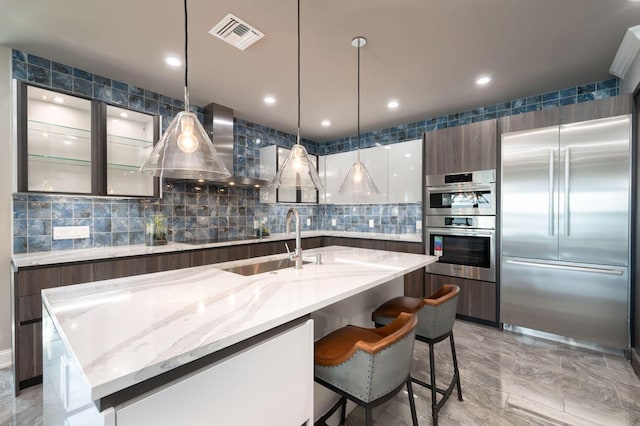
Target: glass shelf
(131, 142)
(59, 160)
(58, 130)
(127, 167)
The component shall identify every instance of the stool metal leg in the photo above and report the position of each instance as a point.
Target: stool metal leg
(455, 367)
(432, 373)
(412, 403)
(343, 412)
(367, 416)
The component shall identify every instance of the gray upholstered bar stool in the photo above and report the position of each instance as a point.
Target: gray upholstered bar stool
(436, 316)
(367, 365)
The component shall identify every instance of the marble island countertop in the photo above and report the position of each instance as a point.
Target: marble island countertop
(124, 331)
(65, 256)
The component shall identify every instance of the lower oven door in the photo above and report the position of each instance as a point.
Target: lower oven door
(463, 253)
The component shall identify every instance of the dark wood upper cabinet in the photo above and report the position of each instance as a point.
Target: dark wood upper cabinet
(462, 148)
(73, 145)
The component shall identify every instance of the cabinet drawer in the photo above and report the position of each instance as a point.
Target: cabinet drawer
(29, 351)
(477, 299)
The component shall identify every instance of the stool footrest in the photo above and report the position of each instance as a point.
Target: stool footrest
(446, 393)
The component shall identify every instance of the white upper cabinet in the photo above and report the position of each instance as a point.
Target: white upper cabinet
(336, 169)
(267, 172)
(375, 159)
(404, 172)
(395, 169)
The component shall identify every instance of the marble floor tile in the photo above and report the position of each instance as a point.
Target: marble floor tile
(507, 380)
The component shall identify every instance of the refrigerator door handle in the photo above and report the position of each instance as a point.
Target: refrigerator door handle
(566, 191)
(551, 192)
(566, 267)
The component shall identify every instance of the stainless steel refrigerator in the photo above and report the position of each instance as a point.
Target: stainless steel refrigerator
(565, 225)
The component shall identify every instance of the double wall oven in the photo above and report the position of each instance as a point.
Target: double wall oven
(460, 222)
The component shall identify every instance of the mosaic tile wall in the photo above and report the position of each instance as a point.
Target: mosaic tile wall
(410, 131)
(387, 218)
(193, 212)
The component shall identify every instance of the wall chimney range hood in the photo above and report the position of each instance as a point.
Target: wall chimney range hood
(218, 123)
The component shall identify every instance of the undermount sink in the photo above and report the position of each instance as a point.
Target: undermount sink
(261, 267)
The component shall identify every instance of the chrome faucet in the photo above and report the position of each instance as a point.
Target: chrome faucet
(297, 254)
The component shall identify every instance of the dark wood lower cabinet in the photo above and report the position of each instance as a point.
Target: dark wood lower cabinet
(29, 282)
(477, 300)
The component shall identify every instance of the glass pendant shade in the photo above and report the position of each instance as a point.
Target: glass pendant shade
(358, 181)
(185, 152)
(297, 171)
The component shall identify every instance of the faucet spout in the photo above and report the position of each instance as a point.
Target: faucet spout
(297, 254)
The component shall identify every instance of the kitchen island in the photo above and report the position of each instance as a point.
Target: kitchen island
(204, 345)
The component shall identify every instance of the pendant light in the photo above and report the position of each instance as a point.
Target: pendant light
(185, 151)
(358, 180)
(297, 171)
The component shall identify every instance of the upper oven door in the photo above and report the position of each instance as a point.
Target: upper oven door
(461, 199)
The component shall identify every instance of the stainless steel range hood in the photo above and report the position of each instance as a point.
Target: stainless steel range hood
(218, 122)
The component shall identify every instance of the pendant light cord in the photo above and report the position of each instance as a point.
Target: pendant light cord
(186, 59)
(359, 100)
(298, 139)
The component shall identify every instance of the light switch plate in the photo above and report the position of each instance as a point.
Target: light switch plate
(418, 225)
(81, 232)
(63, 232)
(308, 221)
(334, 222)
(371, 225)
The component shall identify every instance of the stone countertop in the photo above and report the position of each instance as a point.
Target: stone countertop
(127, 330)
(66, 256)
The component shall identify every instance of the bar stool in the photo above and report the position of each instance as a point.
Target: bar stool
(436, 315)
(367, 365)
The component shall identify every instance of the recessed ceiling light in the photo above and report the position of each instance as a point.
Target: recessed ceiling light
(201, 180)
(58, 100)
(325, 123)
(232, 183)
(173, 61)
(68, 143)
(124, 115)
(481, 81)
(44, 97)
(270, 100)
(393, 104)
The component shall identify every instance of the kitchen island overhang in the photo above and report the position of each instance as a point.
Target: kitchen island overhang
(122, 333)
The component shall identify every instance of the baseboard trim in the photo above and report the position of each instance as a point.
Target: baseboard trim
(635, 360)
(5, 358)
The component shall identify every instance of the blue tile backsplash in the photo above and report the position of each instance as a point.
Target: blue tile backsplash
(204, 211)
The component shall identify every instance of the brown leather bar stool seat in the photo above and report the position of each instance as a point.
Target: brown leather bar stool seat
(367, 365)
(436, 315)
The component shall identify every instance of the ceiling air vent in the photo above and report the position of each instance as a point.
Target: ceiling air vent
(236, 32)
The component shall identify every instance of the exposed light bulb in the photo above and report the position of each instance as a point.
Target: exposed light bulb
(297, 159)
(357, 176)
(187, 141)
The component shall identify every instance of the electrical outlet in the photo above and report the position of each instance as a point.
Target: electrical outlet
(371, 225)
(63, 232)
(81, 232)
(308, 221)
(418, 225)
(334, 222)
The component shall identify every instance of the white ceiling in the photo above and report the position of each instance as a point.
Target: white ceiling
(425, 54)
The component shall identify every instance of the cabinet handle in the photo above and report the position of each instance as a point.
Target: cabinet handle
(551, 192)
(566, 267)
(566, 191)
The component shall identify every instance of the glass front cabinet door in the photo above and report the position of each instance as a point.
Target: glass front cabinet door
(130, 137)
(58, 142)
(68, 144)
